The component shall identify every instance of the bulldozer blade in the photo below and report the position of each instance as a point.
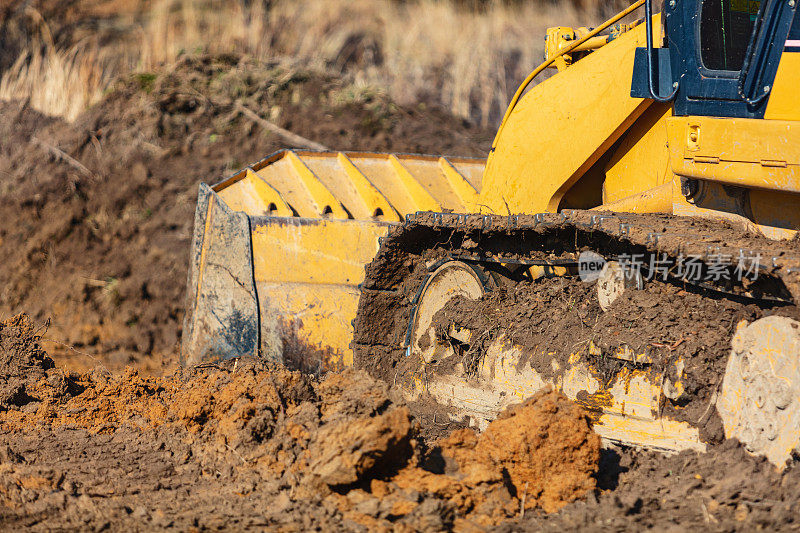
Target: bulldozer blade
(222, 310)
(307, 274)
(279, 249)
(281, 287)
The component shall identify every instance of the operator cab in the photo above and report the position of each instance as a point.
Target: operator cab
(720, 57)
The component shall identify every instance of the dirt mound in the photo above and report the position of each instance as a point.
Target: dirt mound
(244, 429)
(242, 445)
(723, 490)
(23, 362)
(96, 216)
(529, 440)
(540, 454)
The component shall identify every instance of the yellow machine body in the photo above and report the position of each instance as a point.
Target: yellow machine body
(280, 248)
(598, 148)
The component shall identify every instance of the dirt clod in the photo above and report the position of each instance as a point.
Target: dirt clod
(349, 452)
(528, 440)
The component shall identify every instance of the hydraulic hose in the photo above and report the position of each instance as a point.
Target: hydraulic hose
(622, 14)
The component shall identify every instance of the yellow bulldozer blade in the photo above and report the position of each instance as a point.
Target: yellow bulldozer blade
(279, 248)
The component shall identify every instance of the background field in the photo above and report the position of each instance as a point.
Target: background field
(467, 56)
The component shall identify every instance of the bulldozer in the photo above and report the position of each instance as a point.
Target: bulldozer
(630, 240)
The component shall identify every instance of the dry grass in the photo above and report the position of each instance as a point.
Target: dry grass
(57, 82)
(430, 50)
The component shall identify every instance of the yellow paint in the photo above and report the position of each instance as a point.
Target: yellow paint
(307, 276)
(366, 193)
(560, 38)
(753, 153)
(562, 127)
(577, 138)
(254, 196)
(664, 434)
(325, 203)
(761, 156)
(323, 252)
(628, 409)
(776, 213)
(548, 62)
(412, 183)
(641, 161)
(421, 198)
(783, 99)
(464, 191)
(318, 315)
(631, 418)
(655, 200)
(730, 213)
(597, 142)
(307, 271)
(363, 186)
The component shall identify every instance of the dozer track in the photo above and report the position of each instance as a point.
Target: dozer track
(687, 336)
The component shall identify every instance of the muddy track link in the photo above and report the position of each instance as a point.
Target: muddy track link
(392, 284)
(567, 233)
(409, 255)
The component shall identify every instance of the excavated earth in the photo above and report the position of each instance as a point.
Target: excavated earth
(95, 224)
(242, 446)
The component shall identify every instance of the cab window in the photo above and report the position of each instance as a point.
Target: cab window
(726, 27)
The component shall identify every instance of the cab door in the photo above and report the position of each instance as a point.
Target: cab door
(724, 54)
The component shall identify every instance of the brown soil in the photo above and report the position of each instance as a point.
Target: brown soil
(245, 445)
(97, 239)
(723, 490)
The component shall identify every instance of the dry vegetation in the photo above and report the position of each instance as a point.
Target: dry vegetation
(468, 56)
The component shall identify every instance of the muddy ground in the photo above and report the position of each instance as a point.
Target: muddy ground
(99, 430)
(245, 446)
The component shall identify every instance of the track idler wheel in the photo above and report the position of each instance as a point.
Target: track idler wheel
(759, 401)
(450, 280)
